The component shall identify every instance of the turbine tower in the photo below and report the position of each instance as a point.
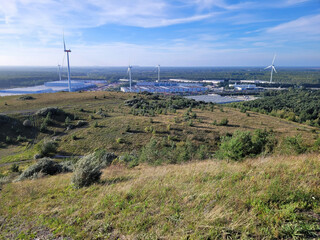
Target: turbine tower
(272, 68)
(129, 72)
(59, 69)
(67, 51)
(158, 73)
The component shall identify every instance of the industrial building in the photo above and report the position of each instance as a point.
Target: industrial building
(49, 87)
(165, 87)
(245, 87)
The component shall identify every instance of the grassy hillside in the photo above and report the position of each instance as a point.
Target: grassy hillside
(265, 198)
(116, 127)
(271, 192)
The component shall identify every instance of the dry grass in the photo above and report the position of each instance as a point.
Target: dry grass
(264, 198)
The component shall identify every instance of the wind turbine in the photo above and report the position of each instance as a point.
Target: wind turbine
(59, 69)
(272, 68)
(129, 72)
(158, 73)
(67, 51)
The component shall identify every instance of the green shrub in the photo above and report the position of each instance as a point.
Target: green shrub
(246, 144)
(14, 168)
(87, 171)
(43, 127)
(104, 158)
(224, 122)
(120, 140)
(67, 121)
(48, 148)
(292, 145)
(44, 166)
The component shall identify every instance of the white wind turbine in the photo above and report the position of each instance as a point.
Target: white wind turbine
(158, 73)
(67, 51)
(272, 68)
(129, 72)
(59, 69)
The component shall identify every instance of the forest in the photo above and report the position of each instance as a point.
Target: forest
(299, 105)
(30, 76)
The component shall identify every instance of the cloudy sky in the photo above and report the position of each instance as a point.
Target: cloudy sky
(165, 32)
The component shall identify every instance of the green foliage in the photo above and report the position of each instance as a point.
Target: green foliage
(43, 127)
(44, 166)
(120, 140)
(295, 105)
(14, 168)
(223, 122)
(246, 144)
(293, 145)
(47, 148)
(67, 121)
(165, 151)
(87, 171)
(95, 125)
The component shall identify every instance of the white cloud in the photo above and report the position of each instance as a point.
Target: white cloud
(302, 28)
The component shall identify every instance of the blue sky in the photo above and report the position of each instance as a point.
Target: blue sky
(169, 33)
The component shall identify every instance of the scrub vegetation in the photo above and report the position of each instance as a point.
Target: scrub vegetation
(107, 165)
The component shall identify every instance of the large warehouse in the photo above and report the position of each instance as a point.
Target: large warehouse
(165, 87)
(49, 87)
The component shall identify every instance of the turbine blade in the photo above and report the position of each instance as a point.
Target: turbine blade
(268, 67)
(274, 69)
(274, 57)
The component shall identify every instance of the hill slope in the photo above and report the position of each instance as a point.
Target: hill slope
(264, 198)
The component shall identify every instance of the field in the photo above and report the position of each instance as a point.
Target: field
(265, 195)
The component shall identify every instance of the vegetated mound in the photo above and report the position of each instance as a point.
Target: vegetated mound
(267, 198)
(26, 97)
(52, 110)
(12, 130)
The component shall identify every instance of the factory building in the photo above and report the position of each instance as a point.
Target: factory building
(247, 87)
(49, 87)
(165, 87)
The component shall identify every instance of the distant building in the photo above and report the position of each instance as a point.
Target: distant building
(247, 87)
(165, 87)
(183, 80)
(214, 82)
(49, 87)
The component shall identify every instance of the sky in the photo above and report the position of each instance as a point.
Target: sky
(166, 32)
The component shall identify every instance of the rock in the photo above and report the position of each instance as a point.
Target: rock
(27, 123)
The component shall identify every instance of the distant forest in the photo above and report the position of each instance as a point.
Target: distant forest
(30, 76)
(296, 105)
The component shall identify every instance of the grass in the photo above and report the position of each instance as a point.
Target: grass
(264, 198)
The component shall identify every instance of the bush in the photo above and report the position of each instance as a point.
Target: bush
(48, 148)
(44, 166)
(87, 171)
(293, 144)
(246, 144)
(120, 140)
(224, 122)
(104, 158)
(14, 168)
